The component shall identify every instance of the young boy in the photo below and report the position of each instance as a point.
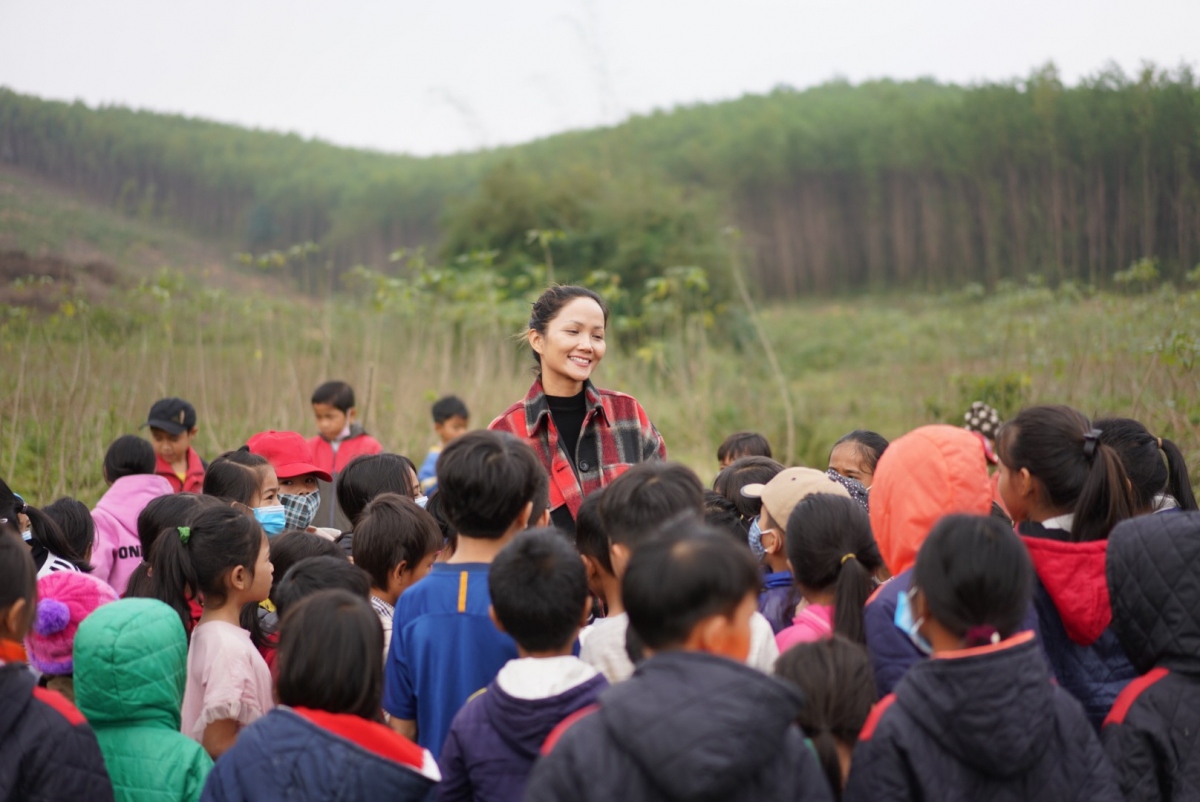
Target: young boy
(444, 647)
(694, 722)
(742, 444)
(592, 544)
(539, 596)
(395, 542)
(172, 423)
(339, 440)
(450, 420)
(299, 492)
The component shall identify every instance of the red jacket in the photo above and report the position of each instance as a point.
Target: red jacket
(193, 481)
(356, 445)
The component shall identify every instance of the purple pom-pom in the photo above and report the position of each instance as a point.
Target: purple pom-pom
(52, 616)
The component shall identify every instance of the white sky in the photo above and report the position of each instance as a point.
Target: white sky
(446, 75)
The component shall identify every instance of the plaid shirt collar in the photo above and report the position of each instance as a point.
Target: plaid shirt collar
(537, 408)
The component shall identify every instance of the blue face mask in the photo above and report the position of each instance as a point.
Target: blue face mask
(905, 623)
(755, 539)
(422, 500)
(273, 519)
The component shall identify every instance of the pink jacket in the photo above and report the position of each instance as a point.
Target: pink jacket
(117, 550)
(815, 622)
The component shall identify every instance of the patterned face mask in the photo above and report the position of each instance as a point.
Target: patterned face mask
(300, 510)
(755, 539)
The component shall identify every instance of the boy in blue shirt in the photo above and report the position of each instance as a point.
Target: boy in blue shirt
(450, 421)
(444, 646)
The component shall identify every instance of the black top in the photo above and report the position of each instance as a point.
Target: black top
(568, 413)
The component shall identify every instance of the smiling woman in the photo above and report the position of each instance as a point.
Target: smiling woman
(584, 436)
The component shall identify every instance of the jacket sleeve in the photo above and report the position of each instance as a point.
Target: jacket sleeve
(102, 547)
(1132, 755)
(891, 652)
(879, 772)
(456, 784)
(67, 765)
(653, 445)
(556, 777)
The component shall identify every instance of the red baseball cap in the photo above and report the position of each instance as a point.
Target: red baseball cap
(287, 452)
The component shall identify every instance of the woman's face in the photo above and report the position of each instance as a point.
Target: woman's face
(572, 345)
(847, 459)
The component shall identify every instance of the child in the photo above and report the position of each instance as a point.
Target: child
(1154, 465)
(370, 476)
(540, 597)
(731, 480)
(742, 444)
(444, 647)
(339, 438)
(130, 670)
(694, 722)
(162, 514)
(249, 480)
(1066, 490)
(287, 549)
(49, 751)
(830, 546)
(298, 476)
(65, 599)
(132, 484)
(451, 419)
(222, 558)
(172, 423)
(324, 742)
(1152, 732)
(395, 542)
(75, 522)
(981, 720)
(835, 677)
(314, 574)
(855, 455)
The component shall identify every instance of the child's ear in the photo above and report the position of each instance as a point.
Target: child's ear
(543, 520)
(526, 514)
(350, 413)
(16, 621)
(192, 431)
(772, 543)
(239, 578)
(618, 554)
(396, 576)
(495, 619)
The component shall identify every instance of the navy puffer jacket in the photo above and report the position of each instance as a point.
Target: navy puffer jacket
(982, 724)
(1152, 734)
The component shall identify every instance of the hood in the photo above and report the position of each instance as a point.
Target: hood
(679, 720)
(524, 723)
(16, 689)
(131, 664)
(1153, 577)
(129, 495)
(991, 707)
(927, 474)
(1073, 576)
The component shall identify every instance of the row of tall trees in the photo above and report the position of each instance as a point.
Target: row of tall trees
(837, 187)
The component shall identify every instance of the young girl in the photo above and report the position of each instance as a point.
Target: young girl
(75, 522)
(162, 514)
(835, 560)
(1155, 466)
(249, 480)
(835, 677)
(731, 480)
(222, 559)
(1066, 490)
(65, 599)
(330, 686)
(981, 720)
(51, 549)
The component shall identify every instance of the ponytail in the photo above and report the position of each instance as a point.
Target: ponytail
(172, 577)
(853, 587)
(1142, 454)
(1106, 498)
(49, 538)
(1179, 486)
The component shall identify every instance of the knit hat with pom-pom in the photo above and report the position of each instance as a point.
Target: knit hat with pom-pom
(65, 598)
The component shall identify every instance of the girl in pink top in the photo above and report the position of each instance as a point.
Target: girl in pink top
(222, 558)
(129, 471)
(834, 557)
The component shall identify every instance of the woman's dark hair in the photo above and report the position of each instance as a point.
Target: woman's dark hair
(742, 472)
(163, 513)
(743, 444)
(830, 545)
(75, 520)
(835, 677)
(1142, 454)
(128, 455)
(975, 577)
(871, 445)
(1079, 472)
(329, 658)
(228, 477)
(551, 302)
(194, 561)
(393, 529)
(539, 590)
(371, 475)
(313, 574)
(289, 548)
(485, 480)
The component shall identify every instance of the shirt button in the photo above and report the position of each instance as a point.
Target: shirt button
(584, 465)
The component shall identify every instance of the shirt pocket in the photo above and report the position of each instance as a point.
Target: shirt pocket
(609, 473)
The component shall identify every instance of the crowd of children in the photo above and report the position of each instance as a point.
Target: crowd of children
(988, 611)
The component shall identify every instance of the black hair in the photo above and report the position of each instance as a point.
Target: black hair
(434, 507)
(741, 472)
(75, 520)
(647, 496)
(336, 394)
(161, 514)
(551, 302)
(1079, 471)
(128, 455)
(289, 548)
(743, 444)
(371, 475)
(314, 574)
(539, 590)
(684, 575)
(830, 545)
(591, 540)
(835, 676)
(234, 477)
(721, 514)
(46, 537)
(448, 407)
(195, 562)
(1142, 454)
(18, 574)
(975, 576)
(391, 530)
(329, 655)
(871, 445)
(485, 479)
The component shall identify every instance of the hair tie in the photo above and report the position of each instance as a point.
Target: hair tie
(185, 533)
(1090, 440)
(850, 556)
(982, 634)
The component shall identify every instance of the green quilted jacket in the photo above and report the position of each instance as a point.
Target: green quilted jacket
(130, 669)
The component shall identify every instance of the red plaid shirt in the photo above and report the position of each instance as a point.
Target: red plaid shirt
(616, 434)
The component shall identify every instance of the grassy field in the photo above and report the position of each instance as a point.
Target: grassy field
(73, 381)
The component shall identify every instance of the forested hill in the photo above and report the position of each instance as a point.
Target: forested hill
(836, 187)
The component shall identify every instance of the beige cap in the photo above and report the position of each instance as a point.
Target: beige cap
(789, 487)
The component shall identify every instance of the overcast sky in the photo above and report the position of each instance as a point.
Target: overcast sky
(435, 77)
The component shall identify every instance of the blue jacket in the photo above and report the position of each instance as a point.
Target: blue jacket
(892, 652)
(778, 600)
(311, 755)
(496, 737)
